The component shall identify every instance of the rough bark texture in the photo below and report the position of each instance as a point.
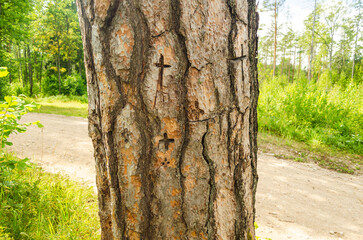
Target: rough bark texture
(172, 116)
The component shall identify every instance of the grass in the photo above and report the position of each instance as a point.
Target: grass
(38, 205)
(324, 156)
(318, 114)
(63, 105)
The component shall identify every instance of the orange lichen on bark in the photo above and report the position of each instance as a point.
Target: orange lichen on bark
(186, 169)
(101, 8)
(203, 236)
(175, 203)
(175, 192)
(132, 235)
(172, 127)
(176, 214)
(189, 184)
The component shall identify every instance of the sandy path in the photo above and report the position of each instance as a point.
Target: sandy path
(294, 200)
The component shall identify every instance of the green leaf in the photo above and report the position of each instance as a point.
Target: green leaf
(39, 124)
(3, 71)
(8, 99)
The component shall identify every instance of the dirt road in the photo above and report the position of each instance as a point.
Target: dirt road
(294, 200)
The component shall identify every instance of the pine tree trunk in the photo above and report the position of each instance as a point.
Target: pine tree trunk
(312, 47)
(26, 67)
(293, 67)
(58, 67)
(275, 39)
(30, 66)
(173, 93)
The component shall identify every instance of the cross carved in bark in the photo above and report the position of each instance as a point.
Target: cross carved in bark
(166, 141)
(240, 58)
(161, 64)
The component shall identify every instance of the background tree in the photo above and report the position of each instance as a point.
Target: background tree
(358, 5)
(312, 42)
(172, 110)
(274, 5)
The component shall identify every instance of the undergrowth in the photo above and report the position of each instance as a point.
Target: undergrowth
(63, 105)
(39, 205)
(315, 113)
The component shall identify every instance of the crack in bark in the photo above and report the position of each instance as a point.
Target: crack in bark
(231, 38)
(95, 121)
(119, 210)
(175, 23)
(253, 22)
(139, 62)
(239, 188)
(211, 222)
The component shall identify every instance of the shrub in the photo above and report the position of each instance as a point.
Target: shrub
(313, 112)
(74, 85)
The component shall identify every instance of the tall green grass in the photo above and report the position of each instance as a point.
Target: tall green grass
(317, 113)
(39, 205)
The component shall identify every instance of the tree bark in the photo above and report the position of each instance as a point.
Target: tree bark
(173, 92)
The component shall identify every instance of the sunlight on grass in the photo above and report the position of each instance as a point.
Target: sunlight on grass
(324, 156)
(38, 205)
(63, 105)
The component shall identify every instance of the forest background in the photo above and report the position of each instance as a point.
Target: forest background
(310, 76)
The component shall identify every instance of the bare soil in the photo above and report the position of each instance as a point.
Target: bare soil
(294, 200)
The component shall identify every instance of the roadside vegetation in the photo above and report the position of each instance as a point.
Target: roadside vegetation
(63, 105)
(35, 204)
(316, 113)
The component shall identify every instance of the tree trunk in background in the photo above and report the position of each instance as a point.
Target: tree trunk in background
(298, 73)
(312, 46)
(25, 67)
(282, 63)
(20, 66)
(356, 39)
(40, 73)
(172, 116)
(289, 68)
(293, 68)
(30, 66)
(58, 67)
(275, 39)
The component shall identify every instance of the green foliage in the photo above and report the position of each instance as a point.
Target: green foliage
(3, 86)
(16, 89)
(3, 72)
(50, 84)
(74, 85)
(11, 111)
(315, 113)
(39, 205)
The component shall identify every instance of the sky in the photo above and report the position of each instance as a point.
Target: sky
(294, 10)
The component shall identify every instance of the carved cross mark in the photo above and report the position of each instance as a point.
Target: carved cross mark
(238, 58)
(166, 141)
(159, 86)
